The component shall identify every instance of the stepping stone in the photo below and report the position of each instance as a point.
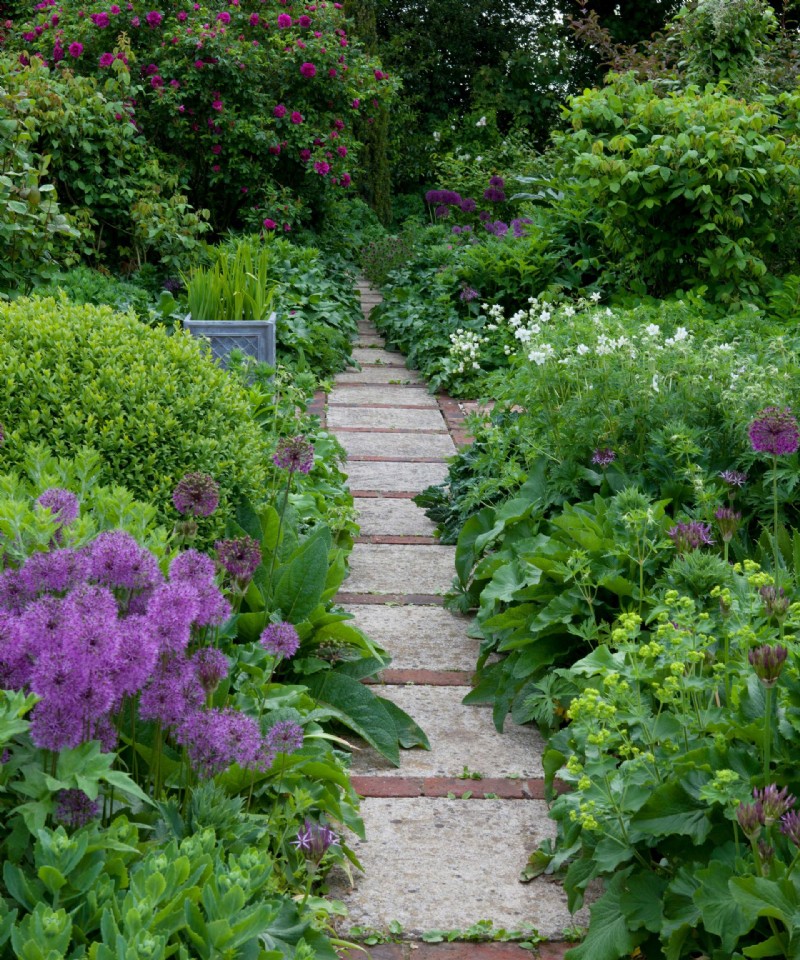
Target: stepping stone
(393, 477)
(394, 568)
(379, 374)
(460, 736)
(369, 341)
(397, 446)
(419, 638)
(394, 418)
(368, 355)
(366, 396)
(437, 864)
(378, 516)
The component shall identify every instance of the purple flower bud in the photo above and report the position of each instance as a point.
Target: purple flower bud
(76, 809)
(690, 536)
(728, 522)
(62, 504)
(774, 802)
(240, 557)
(604, 457)
(314, 839)
(768, 662)
(196, 495)
(751, 819)
(776, 603)
(790, 826)
(295, 454)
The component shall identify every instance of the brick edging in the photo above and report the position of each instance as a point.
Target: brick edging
(318, 407)
(401, 599)
(427, 678)
(459, 950)
(399, 540)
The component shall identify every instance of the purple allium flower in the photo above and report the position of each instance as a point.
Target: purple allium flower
(728, 521)
(75, 809)
(497, 182)
(55, 571)
(484, 216)
(518, 226)
(774, 431)
(469, 293)
(116, 560)
(776, 603)
(790, 826)
(442, 211)
(468, 205)
(751, 819)
(450, 197)
(767, 662)
(690, 536)
(774, 802)
(215, 739)
(498, 228)
(137, 654)
(171, 611)
(14, 591)
(212, 607)
(62, 504)
(280, 639)
(603, 457)
(196, 495)
(733, 478)
(314, 839)
(240, 557)
(211, 666)
(285, 736)
(192, 566)
(172, 692)
(295, 454)
(494, 195)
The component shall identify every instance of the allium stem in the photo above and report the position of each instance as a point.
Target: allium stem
(280, 523)
(775, 518)
(767, 733)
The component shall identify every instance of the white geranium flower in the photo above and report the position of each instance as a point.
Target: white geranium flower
(597, 296)
(582, 350)
(654, 384)
(481, 122)
(653, 330)
(437, 136)
(569, 311)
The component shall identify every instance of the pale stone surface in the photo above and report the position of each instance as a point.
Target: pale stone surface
(394, 477)
(394, 568)
(369, 355)
(379, 516)
(379, 374)
(419, 638)
(397, 445)
(395, 418)
(369, 341)
(438, 864)
(366, 396)
(460, 736)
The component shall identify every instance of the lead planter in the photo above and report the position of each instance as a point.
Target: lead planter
(255, 338)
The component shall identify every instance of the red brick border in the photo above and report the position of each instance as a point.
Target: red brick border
(428, 678)
(318, 407)
(387, 406)
(437, 433)
(403, 599)
(503, 788)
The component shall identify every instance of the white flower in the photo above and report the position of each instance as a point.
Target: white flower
(681, 334)
(544, 316)
(653, 330)
(523, 334)
(654, 384)
(437, 136)
(480, 123)
(491, 326)
(596, 296)
(569, 311)
(542, 354)
(478, 159)
(582, 350)
(535, 329)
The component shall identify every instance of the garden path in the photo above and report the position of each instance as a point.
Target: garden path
(442, 851)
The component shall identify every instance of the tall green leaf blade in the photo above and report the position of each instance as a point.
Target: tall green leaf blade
(300, 585)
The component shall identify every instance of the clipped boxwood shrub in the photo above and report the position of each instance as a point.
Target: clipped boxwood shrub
(153, 406)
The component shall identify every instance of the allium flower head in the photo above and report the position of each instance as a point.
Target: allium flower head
(690, 536)
(790, 826)
(55, 571)
(776, 603)
(469, 293)
(285, 736)
(211, 666)
(603, 457)
(215, 739)
(494, 195)
(768, 662)
(315, 839)
(240, 557)
(468, 205)
(728, 521)
(196, 495)
(774, 431)
(75, 809)
(733, 478)
(116, 560)
(751, 819)
(774, 802)
(280, 639)
(193, 566)
(62, 504)
(295, 454)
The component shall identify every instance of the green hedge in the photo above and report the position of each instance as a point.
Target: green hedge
(153, 406)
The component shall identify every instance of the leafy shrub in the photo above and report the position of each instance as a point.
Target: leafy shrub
(154, 407)
(84, 285)
(266, 99)
(690, 185)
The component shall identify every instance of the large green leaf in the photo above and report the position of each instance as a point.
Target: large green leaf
(359, 709)
(670, 810)
(608, 937)
(722, 915)
(759, 897)
(409, 732)
(466, 554)
(299, 587)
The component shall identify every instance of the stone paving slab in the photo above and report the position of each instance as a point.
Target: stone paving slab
(396, 446)
(394, 477)
(391, 418)
(419, 637)
(371, 355)
(390, 568)
(438, 864)
(368, 395)
(369, 341)
(460, 736)
(377, 515)
(393, 376)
